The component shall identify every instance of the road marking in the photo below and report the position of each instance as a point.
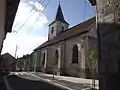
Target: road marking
(50, 82)
(6, 83)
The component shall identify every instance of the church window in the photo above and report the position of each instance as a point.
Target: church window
(56, 57)
(75, 54)
(82, 46)
(52, 30)
(62, 28)
(43, 61)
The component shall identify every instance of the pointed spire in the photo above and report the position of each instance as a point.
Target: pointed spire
(59, 15)
(59, 2)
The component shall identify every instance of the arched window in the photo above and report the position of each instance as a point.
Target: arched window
(75, 54)
(43, 61)
(52, 30)
(56, 56)
(62, 28)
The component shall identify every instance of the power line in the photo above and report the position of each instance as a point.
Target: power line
(23, 24)
(42, 1)
(30, 12)
(39, 15)
(84, 14)
(29, 16)
(47, 4)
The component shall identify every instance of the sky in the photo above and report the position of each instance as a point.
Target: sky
(35, 31)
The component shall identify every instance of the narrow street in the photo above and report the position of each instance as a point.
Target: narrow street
(28, 82)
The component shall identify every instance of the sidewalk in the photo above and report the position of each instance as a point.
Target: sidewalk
(71, 82)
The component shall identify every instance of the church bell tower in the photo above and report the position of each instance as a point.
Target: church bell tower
(59, 24)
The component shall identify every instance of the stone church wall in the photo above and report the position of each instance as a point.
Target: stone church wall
(60, 25)
(50, 57)
(65, 48)
(74, 69)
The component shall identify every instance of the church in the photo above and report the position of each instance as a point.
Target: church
(67, 51)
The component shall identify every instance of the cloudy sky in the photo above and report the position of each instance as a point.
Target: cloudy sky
(34, 32)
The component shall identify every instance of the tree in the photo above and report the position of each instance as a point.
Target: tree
(93, 57)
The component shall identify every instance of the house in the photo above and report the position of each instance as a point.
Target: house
(8, 62)
(23, 63)
(67, 50)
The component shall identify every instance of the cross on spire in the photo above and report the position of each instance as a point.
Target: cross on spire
(59, 15)
(59, 1)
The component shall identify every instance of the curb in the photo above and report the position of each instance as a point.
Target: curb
(50, 82)
(60, 78)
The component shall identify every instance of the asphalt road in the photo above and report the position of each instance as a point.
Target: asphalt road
(27, 82)
(2, 86)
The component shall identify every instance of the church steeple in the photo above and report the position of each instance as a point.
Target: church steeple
(59, 25)
(59, 15)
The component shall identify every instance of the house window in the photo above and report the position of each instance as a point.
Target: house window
(43, 61)
(52, 30)
(75, 54)
(56, 57)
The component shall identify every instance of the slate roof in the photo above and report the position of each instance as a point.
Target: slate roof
(59, 16)
(71, 32)
(11, 9)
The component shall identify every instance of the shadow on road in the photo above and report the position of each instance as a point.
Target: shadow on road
(17, 83)
(2, 86)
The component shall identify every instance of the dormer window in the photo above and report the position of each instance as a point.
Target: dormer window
(52, 30)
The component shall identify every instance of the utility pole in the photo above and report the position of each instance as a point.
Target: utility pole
(16, 63)
(16, 50)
